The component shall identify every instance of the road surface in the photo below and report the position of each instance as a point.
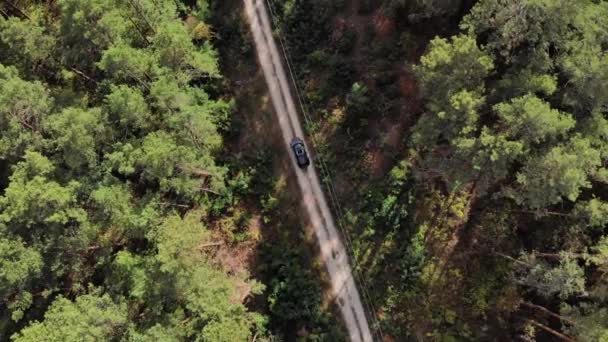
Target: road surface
(333, 252)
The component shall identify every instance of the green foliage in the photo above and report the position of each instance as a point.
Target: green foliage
(100, 21)
(593, 213)
(305, 23)
(115, 208)
(413, 259)
(358, 106)
(525, 32)
(23, 108)
(486, 127)
(110, 120)
(90, 318)
(31, 199)
(25, 42)
(453, 73)
(130, 275)
(589, 322)
(358, 98)
(127, 109)
(425, 9)
(206, 292)
(175, 50)
(515, 116)
(586, 67)
(20, 266)
(526, 26)
(177, 239)
(532, 120)
(294, 296)
(565, 169)
(347, 42)
(75, 134)
(454, 65)
(124, 63)
(565, 279)
(525, 82)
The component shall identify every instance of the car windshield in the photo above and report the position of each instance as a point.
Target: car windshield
(299, 150)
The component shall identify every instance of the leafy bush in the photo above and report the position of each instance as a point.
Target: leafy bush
(294, 294)
(346, 43)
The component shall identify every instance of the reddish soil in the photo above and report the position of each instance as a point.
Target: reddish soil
(407, 84)
(383, 25)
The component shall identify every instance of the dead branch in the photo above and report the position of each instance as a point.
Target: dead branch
(550, 331)
(142, 15)
(18, 9)
(543, 212)
(139, 30)
(211, 244)
(23, 122)
(195, 171)
(548, 312)
(200, 172)
(83, 75)
(512, 259)
(210, 191)
(174, 205)
(556, 256)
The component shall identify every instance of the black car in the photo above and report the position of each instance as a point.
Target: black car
(297, 145)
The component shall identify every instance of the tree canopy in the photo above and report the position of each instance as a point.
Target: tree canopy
(515, 118)
(110, 127)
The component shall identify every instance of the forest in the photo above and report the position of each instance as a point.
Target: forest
(145, 194)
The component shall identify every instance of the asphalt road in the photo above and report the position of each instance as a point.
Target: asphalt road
(332, 249)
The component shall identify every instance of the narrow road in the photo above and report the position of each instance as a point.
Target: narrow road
(333, 252)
